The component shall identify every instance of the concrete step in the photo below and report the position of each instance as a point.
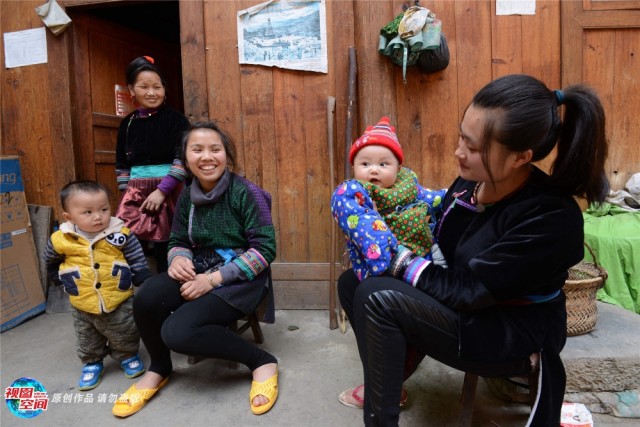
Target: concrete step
(603, 365)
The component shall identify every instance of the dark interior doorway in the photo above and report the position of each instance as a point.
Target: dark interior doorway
(159, 19)
(106, 37)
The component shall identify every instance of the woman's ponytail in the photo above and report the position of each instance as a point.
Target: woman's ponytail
(582, 145)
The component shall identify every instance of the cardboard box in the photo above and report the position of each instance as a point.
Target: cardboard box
(21, 294)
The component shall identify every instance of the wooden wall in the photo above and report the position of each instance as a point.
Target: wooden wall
(279, 119)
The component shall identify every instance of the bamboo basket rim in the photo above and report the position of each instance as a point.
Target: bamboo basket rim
(584, 267)
(580, 288)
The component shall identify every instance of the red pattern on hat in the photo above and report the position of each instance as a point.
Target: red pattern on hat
(381, 134)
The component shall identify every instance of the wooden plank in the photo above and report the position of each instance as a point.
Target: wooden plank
(539, 57)
(473, 48)
(59, 116)
(108, 120)
(261, 164)
(194, 70)
(609, 19)
(506, 43)
(81, 98)
(223, 81)
(301, 295)
(408, 103)
(317, 177)
(611, 4)
(599, 70)
(376, 73)
(303, 271)
(439, 112)
(571, 47)
(42, 226)
(341, 39)
(624, 127)
(288, 91)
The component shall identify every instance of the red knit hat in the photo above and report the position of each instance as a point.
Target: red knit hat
(381, 134)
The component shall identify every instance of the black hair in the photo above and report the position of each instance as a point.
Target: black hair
(524, 114)
(84, 186)
(139, 65)
(227, 142)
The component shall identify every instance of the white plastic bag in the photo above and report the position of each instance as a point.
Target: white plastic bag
(575, 415)
(53, 16)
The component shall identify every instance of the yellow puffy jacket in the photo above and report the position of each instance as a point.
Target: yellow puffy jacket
(95, 273)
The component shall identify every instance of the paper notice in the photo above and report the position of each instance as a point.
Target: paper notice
(28, 47)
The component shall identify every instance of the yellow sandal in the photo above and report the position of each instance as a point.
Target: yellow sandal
(133, 399)
(267, 388)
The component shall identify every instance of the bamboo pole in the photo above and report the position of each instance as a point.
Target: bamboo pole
(333, 318)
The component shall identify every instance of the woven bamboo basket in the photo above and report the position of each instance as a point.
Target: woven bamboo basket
(585, 278)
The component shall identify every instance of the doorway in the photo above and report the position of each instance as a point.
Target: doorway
(106, 37)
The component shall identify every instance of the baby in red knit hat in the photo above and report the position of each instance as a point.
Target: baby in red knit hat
(382, 184)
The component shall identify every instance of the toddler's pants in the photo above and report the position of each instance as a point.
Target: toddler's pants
(99, 335)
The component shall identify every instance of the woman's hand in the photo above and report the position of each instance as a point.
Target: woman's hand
(153, 202)
(181, 269)
(195, 288)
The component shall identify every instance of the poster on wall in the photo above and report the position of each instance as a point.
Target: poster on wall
(288, 34)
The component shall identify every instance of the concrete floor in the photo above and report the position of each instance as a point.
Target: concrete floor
(316, 363)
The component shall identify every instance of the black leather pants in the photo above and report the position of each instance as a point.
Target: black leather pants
(396, 325)
(389, 317)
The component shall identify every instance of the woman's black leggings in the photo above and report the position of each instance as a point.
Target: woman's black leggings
(167, 322)
(395, 326)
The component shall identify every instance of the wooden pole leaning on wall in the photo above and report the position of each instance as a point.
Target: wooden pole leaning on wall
(333, 317)
(352, 104)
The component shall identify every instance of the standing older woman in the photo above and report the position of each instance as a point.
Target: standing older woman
(509, 232)
(148, 167)
(222, 243)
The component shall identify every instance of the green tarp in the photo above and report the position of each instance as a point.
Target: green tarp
(613, 233)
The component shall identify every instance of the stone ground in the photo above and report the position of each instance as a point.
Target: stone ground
(316, 363)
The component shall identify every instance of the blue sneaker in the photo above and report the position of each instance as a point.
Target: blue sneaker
(91, 375)
(133, 367)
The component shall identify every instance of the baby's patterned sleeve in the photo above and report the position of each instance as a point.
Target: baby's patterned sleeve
(434, 199)
(371, 243)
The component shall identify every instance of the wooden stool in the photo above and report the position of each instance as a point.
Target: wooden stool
(469, 393)
(251, 321)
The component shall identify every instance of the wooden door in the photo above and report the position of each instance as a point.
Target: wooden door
(601, 47)
(101, 52)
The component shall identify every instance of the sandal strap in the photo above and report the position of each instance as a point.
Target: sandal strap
(355, 396)
(135, 395)
(266, 388)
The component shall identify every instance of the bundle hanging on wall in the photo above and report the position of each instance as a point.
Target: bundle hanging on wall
(415, 37)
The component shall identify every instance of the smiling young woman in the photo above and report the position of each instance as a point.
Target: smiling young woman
(222, 244)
